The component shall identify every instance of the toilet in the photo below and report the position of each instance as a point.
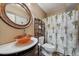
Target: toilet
(48, 49)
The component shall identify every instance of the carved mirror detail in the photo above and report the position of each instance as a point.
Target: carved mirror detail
(16, 15)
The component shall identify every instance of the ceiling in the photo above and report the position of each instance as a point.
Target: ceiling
(52, 8)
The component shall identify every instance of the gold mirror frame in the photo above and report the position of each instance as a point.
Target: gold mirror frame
(9, 22)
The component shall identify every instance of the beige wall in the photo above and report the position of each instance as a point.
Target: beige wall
(77, 7)
(58, 10)
(37, 11)
(7, 33)
(63, 8)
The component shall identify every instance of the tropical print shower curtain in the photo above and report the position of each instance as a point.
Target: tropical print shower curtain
(62, 32)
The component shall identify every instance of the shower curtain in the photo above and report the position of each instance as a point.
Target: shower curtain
(62, 32)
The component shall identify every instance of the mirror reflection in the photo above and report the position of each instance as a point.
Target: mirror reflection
(17, 14)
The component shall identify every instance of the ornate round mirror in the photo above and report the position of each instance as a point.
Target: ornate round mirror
(16, 15)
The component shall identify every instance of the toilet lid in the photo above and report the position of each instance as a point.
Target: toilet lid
(48, 47)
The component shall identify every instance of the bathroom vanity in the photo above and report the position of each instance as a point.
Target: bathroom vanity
(19, 19)
(11, 49)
